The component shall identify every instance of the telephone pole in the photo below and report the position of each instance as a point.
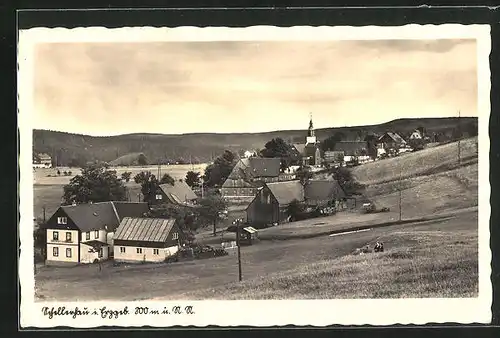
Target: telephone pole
(237, 223)
(400, 192)
(459, 138)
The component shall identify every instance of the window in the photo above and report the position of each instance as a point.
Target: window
(68, 252)
(122, 249)
(62, 220)
(156, 251)
(55, 235)
(68, 237)
(55, 251)
(96, 234)
(87, 235)
(175, 236)
(139, 250)
(159, 197)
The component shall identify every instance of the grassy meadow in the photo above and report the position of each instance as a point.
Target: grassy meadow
(47, 191)
(435, 258)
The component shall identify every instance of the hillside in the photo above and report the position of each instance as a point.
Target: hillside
(432, 180)
(67, 147)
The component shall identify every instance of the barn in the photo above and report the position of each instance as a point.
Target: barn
(271, 203)
(146, 239)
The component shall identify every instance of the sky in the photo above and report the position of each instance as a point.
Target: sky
(224, 86)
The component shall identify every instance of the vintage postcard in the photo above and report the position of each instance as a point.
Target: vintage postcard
(257, 176)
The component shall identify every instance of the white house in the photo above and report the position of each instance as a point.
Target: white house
(416, 135)
(42, 161)
(146, 239)
(83, 233)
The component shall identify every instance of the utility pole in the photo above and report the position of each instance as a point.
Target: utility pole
(237, 223)
(400, 191)
(44, 214)
(202, 183)
(459, 138)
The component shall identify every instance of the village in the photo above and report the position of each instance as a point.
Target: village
(267, 195)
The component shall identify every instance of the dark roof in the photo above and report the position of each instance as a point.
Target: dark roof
(287, 191)
(179, 193)
(300, 147)
(103, 215)
(310, 150)
(130, 209)
(264, 167)
(350, 147)
(394, 136)
(144, 229)
(323, 190)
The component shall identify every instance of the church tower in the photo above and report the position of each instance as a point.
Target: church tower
(311, 138)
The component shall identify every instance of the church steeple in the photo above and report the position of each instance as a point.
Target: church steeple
(311, 138)
(310, 132)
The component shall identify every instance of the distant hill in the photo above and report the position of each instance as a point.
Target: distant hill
(67, 148)
(126, 160)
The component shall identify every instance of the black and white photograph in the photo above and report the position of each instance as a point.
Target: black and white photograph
(204, 174)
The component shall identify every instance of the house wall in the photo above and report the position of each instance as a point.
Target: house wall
(62, 245)
(146, 254)
(86, 256)
(238, 191)
(264, 209)
(95, 235)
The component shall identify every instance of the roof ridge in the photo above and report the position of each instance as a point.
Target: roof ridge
(115, 212)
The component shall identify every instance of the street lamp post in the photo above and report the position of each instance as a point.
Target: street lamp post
(237, 222)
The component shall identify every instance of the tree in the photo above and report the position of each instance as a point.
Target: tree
(217, 172)
(330, 142)
(295, 209)
(166, 178)
(471, 129)
(277, 148)
(344, 177)
(371, 145)
(193, 179)
(126, 176)
(421, 130)
(142, 160)
(149, 184)
(304, 175)
(185, 217)
(210, 209)
(95, 184)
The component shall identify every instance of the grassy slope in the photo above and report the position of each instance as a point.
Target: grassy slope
(126, 160)
(418, 264)
(432, 181)
(276, 260)
(202, 146)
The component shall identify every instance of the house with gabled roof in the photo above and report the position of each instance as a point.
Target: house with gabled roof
(348, 151)
(179, 194)
(271, 202)
(248, 175)
(82, 233)
(390, 142)
(146, 239)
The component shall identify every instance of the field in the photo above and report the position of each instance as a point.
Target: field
(433, 258)
(47, 191)
(428, 259)
(433, 181)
